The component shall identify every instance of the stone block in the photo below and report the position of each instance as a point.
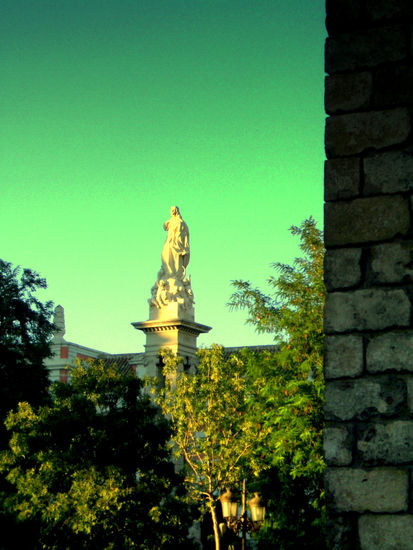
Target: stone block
(385, 443)
(370, 48)
(366, 309)
(338, 444)
(366, 220)
(342, 178)
(390, 351)
(357, 490)
(409, 381)
(388, 10)
(347, 92)
(342, 268)
(393, 85)
(390, 172)
(364, 398)
(354, 133)
(386, 532)
(342, 532)
(391, 263)
(343, 15)
(343, 356)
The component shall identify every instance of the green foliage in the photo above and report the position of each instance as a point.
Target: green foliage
(295, 517)
(287, 390)
(25, 333)
(212, 427)
(92, 469)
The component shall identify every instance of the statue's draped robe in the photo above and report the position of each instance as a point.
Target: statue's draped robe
(175, 252)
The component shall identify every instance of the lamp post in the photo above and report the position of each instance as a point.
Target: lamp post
(242, 523)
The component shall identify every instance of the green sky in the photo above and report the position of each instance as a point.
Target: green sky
(114, 110)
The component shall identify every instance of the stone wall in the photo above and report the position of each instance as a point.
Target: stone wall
(369, 274)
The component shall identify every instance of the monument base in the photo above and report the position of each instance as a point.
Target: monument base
(178, 335)
(172, 310)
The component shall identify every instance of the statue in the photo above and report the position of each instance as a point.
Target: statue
(172, 284)
(175, 252)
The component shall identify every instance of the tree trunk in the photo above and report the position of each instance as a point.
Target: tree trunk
(215, 524)
(244, 516)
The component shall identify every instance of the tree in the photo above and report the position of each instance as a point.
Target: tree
(25, 333)
(92, 469)
(212, 429)
(287, 389)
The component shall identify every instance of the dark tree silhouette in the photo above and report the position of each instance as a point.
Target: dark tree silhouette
(25, 333)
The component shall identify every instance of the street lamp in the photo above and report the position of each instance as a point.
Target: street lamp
(242, 523)
(229, 506)
(257, 510)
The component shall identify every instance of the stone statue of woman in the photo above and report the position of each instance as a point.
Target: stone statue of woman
(172, 284)
(175, 252)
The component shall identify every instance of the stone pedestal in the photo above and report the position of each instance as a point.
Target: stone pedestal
(178, 335)
(172, 310)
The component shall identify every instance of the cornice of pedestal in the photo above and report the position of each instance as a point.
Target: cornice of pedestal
(171, 324)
